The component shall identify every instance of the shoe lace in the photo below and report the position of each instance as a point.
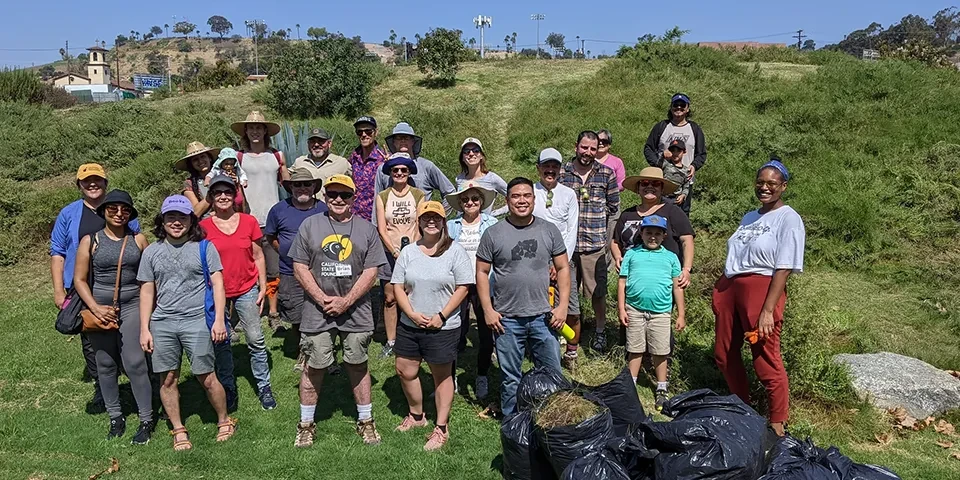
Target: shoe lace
(304, 433)
(368, 430)
(436, 436)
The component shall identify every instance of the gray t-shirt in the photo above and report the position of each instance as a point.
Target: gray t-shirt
(684, 133)
(178, 274)
(430, 281)
(521, 259)
(337, 254)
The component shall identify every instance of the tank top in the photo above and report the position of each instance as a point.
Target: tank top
(262, 190)
(104, 262)
(400, 213)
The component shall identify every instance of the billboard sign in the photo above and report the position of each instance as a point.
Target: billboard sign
(143, 81)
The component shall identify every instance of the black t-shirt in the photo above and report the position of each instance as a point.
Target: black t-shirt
(627, 231)
(90, 222)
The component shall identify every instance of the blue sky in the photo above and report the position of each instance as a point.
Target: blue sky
(34, 30)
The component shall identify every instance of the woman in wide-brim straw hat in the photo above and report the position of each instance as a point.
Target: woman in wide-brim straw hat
(266, 169)
(197, 163)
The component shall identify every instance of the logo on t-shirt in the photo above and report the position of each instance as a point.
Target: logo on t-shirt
(750, 233)
(524, 249)
(337, 247)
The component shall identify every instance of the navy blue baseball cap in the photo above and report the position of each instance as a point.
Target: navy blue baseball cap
(680, 97)
(654, 221)
(366, 119)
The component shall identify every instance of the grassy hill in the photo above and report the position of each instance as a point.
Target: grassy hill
(872, 148)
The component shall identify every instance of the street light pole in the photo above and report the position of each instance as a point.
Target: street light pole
(538, 17)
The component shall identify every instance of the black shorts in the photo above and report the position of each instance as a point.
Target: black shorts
(434, 346)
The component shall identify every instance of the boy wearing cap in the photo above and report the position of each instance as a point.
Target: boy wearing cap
(675, 171)
(319, 160)
(646, 293)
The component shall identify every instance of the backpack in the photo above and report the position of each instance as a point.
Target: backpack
(209, 308)
(276, 153)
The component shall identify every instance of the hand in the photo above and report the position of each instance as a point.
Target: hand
(421, 320)
(260, 295)
(396, 253)
(624, 319)
(680, 198)
(434, 323)
(335, 306)
(684, 280)
(618, 261)
(146, 341)
(243, 184)
(681, 323)
(553, 273)
(667, 154)
(187, 185)
(104, 313)
(765, 326)
(690, 173)
(233, 176)
(493, 321)
(219, 331)
(59, 297)
(559, 317)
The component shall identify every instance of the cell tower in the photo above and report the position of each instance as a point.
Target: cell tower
(482, 22)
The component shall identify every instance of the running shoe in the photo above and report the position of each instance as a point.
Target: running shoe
(367, 430)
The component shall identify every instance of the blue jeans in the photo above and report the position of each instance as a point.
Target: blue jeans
(223, 365)
(511, 346)
(248, 318)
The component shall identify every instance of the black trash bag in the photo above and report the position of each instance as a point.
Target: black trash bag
(538, 384)
(711, 436)
(522, 460)
(620, 396)
(632, 453)
(595, 466)
(793, 459)
(564, 444)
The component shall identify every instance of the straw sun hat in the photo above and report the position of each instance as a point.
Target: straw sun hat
(194, 149)
(649, 173)
(255, 117)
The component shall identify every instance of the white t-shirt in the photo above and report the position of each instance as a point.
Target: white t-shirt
(684, 133)
(766, 242)
(470, 239)
(262, 188)
(564, 212)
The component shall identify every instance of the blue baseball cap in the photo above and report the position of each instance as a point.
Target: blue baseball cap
(680, 97)
(176, 203)
(654, 221)
(366, 119)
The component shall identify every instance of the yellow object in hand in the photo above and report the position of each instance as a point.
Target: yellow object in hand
(567, 332)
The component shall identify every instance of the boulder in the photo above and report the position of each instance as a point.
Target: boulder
(889, 380)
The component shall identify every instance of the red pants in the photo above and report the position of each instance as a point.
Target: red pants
(737, 303)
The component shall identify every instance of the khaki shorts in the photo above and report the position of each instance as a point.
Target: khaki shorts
(648, 332)
(318, 347)
(590, 270)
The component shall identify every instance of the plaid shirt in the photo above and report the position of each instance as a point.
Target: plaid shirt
(365, 172)
(599, 202)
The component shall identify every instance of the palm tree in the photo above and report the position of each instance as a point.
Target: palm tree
(166, 31)
(289, 33)
(298, 31)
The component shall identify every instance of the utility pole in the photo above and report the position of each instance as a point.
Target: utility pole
(582, 52)
(67, 54)
(116, 53)
(482, 22)
(799, 38)
(538, 17)
(256, 32)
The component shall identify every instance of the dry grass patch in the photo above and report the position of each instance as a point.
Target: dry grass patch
(565, 408)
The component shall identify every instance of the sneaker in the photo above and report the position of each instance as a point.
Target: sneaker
(599, 342)
(387, 351)
(305, 434)
(569, 360)
(96, 405)
(274, 322)
(409, 423)
(118, 426)
(233, 399)
(436, 440)
(483, 387)
(266, 399)
(661, 399)
(367, 430)
(144, 431)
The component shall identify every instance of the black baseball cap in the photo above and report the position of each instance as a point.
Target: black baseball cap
(366, 119)
(679, 144)
(319, 133)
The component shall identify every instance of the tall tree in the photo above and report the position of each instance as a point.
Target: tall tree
(156, 30)
(556, 42)
(946, 25)
(809, 45)
(260, 29)
(166, 30)
(184, 28)
(506, 41)
(472, 42)
(317, 33)
(219, 25)
(298, 31)
(438, 55)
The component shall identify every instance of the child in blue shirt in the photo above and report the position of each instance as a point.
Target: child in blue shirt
(646, 293)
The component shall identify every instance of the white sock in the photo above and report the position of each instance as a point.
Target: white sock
(662, 386)
(365, 412)
(391, 342)
(307, 412)
(634, 380)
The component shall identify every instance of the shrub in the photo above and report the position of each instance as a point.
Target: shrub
(57, 97)
(184, 46)
(20, 86)
(439, 53)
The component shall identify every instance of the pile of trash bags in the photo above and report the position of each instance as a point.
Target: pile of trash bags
(710, 437)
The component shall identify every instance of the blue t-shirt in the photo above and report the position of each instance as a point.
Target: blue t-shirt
(283, 221)
(650, 275)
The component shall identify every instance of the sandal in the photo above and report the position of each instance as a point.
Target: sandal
(181, 445)
(231, 425)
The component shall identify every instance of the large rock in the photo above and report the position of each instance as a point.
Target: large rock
(889, 380)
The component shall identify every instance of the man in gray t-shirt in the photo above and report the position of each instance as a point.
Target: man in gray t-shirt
(520, 251)
(335, 259)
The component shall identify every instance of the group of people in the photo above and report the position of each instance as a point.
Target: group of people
(363, 237)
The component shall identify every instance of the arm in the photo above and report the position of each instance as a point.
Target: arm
(218, 333)
(777, 287)
(106, 314)
(147, 290)
(403, 302)
(141, 241)
(500, 188)
(380, 211)
(200, 206)
(483, 291)
(573, 224)
(363, 285)
(622, 301)
(301, 272)
(613, 198)
(284, 173)
(616, 250)
(700, 151)
(681, 305)
(272, 240)
(56, 275)
(686, 243)
(59, 241)
(651, 150)
(562, 265)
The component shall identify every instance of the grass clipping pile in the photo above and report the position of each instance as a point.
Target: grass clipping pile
(594, 371)
(565, 408)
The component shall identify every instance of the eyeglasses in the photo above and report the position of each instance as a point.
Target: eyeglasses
(471, 198)
(365, 131)
(217, 193)
(343, 195)
(604, 141)
(651, 183)
(770, 185)
(114, 209)
(400, 170)
(549, 198)
(301, 184)
(467, 150)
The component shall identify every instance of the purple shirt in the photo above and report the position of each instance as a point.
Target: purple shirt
(364, 177)
(616, 164)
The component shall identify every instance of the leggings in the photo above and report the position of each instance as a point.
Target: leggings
(115, 347)
(483, 331)
(737, 303)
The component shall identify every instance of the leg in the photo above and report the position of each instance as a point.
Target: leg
(766, 353)
(595, 283)
(170, 397)
(135, 362)
(355, 360)
(224, 367)
(634, 362)
(510, 349)
(485, 336)
(317, 349)
(728, 339)
(408, 369)
(543, 343)
(215, 394)
(89, 357)
(389, 311)
(272, 259)
(660, 367)
(249, 313)
(443, 379)
(636, 340)
(107, 354)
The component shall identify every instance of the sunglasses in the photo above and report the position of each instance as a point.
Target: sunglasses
(343, 195)
(400, 170)
(549, 198)
(471, 198)
(114, 209)
(301, 184)
(650, 183)
(467, 150)
(217, 193)
(434, 219)
(365, 131)
(679, 106)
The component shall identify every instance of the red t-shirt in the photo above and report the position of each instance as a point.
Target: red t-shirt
(236, 253)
